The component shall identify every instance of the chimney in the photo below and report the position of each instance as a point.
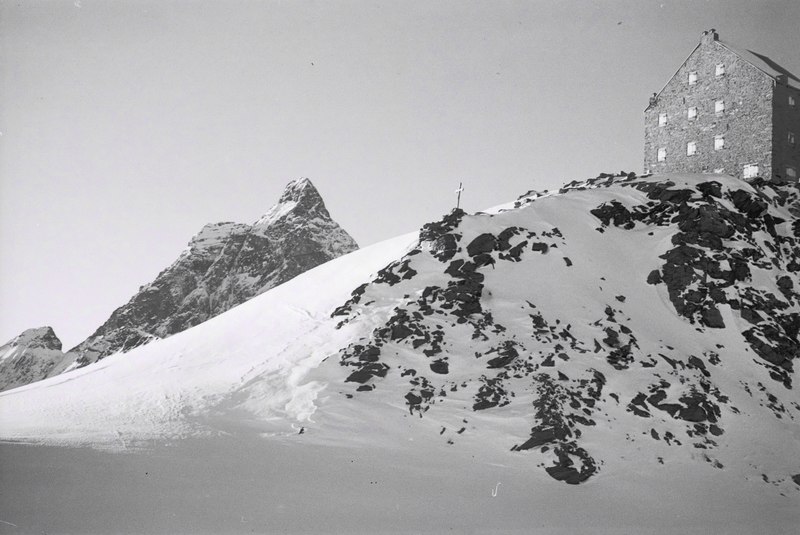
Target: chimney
(709, 36)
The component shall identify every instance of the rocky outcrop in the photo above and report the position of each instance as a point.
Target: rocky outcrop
(450, 341)
(721, 238)
(28, 357)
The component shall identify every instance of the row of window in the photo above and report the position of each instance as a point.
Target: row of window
(691, 112)
(719, 144)
(719, 71)
(719, 109)
(691, 148)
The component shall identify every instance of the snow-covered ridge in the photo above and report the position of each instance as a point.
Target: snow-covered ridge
(591, 331)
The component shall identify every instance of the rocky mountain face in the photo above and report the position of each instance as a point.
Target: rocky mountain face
(623, 313)
(29, 357)
(224, 265)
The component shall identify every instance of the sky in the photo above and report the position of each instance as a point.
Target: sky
(128, 125)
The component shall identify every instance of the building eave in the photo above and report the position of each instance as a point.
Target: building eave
(674, 74)
(743, 58)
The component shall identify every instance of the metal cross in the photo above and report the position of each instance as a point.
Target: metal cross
(458, 191)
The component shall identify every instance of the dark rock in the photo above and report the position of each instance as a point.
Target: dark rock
(367, 372)
(483, 259)
(504, 238)
(614, 213)
(745, 203)
(565, 469)
(369, 354)
(710, 189)
(661, 192)
(541, 436)
(413, 399)
(444, 247)
(712, 318)
(485, 243)
(785, 285)
(440, 366)
(400, 331)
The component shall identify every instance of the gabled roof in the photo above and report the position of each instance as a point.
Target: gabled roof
(764, 64)
(759, 61)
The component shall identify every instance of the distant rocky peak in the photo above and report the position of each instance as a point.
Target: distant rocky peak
(300, 189)
(40, 337)
(299, 197)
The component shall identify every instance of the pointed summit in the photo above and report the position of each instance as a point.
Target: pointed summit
(300, 197)
(224, 265)
(39, 337)
(29, 356)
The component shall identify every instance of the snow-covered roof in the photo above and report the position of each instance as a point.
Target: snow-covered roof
(763, 63)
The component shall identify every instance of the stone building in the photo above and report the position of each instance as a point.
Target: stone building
(725, 110)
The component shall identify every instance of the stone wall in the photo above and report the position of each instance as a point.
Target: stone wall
(746, 123)
(786, 119)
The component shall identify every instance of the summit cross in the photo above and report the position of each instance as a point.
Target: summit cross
(458, 192)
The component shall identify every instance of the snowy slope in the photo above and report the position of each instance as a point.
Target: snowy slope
(623, 329)
(164, 388)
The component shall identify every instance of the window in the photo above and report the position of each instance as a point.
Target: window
(662, 155)
(719, 107)
(719, 142)
(693, 78)
(790, 138)
(662, 119)
(750, 171)
(691, 148)
(791, 172)
(691, 113)
(720, 70)
(791, 101)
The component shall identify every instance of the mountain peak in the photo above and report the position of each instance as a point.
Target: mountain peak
(299, 197)
(29, 356)
(39, 337)
(224, 265)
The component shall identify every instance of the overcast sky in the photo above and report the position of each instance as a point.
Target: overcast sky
(128, 125)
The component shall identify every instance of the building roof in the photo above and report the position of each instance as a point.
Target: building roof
(759, 61)
(763, 63)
